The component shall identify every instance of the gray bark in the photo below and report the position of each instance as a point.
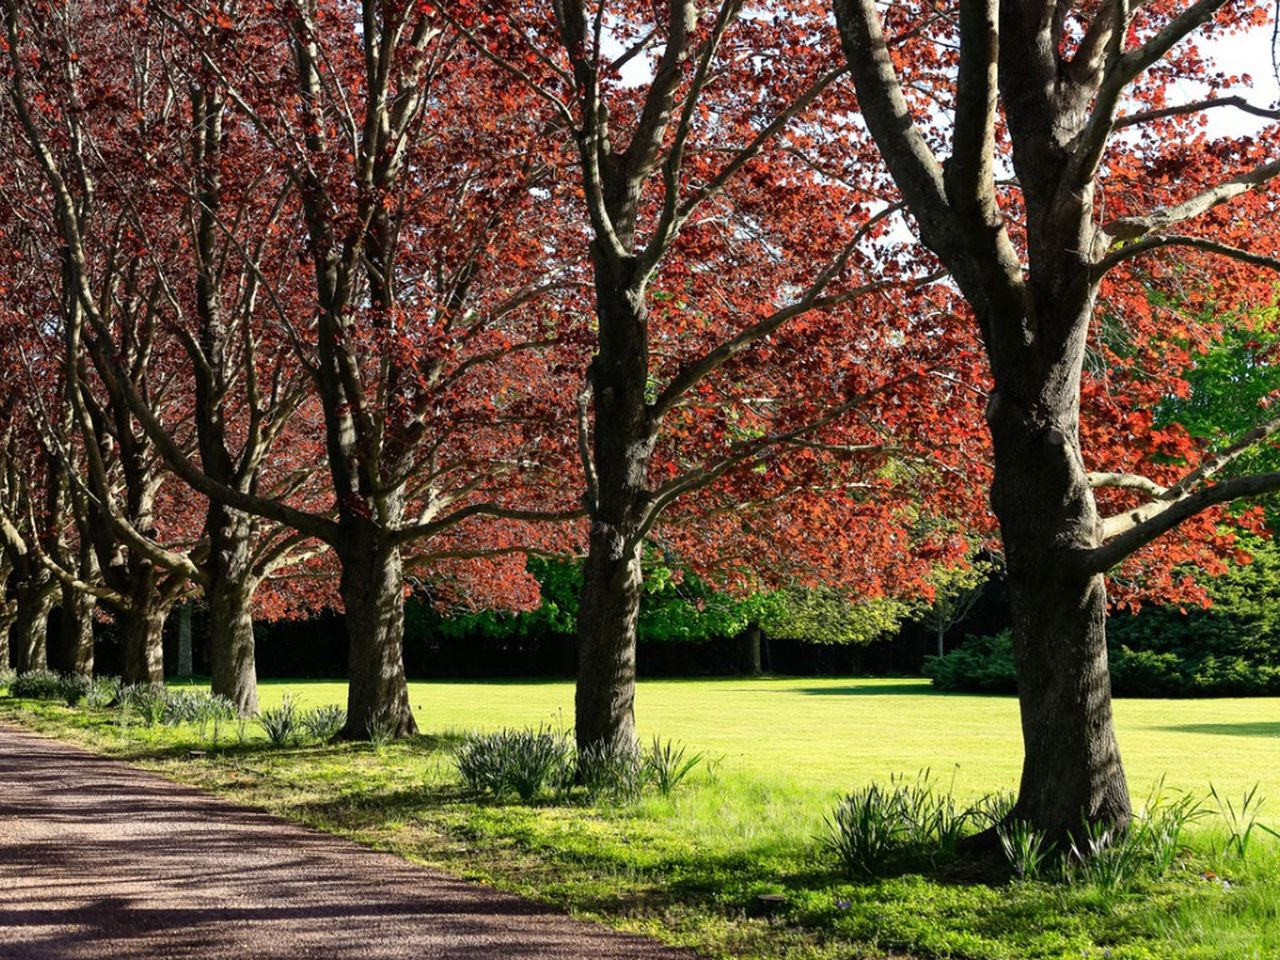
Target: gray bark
(372, 587)
(142, 634)
(76, 628)
(29, 637)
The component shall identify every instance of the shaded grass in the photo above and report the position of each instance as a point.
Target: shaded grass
(688, 867)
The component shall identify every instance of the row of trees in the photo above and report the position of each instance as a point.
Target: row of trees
(313, 302)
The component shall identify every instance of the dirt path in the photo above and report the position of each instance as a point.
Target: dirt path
(99, 860)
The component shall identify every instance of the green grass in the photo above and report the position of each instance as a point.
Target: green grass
(688, 867)
(834, 734)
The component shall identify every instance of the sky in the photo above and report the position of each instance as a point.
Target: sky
(1250, 54)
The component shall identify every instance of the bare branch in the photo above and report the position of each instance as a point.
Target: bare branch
(1135, 228)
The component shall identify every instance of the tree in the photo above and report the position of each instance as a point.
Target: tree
(415, 324)
(703, 196)
(956, 590)
(1075, 99)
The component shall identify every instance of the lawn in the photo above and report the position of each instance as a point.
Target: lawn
(831, 734)
(688, 868)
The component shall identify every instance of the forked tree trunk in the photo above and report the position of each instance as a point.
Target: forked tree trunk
(372, 587)
(230, 598)
(142, 640)
(604, 701)
(1071, 769)
(29, 638)
(76, 629)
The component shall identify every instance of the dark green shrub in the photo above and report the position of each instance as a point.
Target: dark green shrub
(1187, 669)
(981, 665)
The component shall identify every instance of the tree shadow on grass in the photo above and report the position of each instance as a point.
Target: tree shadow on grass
(905, 688)
(229, 749)
(1260, 728)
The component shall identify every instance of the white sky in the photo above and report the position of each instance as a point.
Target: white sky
(1249, 53)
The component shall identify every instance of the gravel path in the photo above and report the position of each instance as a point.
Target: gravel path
(99, 860)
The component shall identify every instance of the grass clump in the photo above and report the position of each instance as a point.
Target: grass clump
(534, 763)
(102, 692)
(37, 685)
(907, 820)
(281, 724)
(323, 723)
(521, 762)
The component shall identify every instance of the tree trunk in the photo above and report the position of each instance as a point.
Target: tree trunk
(613, 580)
(185, 666)
(1041, 495)
(232, 645)
(29, 638)
(751, 650)
(76, 628)
(604, 701)
(942, 636)
(372, 587)
(142, 641)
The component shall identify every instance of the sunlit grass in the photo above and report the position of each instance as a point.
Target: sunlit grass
(834, 734)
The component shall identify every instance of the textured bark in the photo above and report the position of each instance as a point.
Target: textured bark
(229, 593)
(231, 645)
(1071, 769)
(185, 653)
(604, 713)
(28, 641)
(142, 639)
(372, 587)
(75, 625)
(604, 700)
(1034, 321)
(8, 609)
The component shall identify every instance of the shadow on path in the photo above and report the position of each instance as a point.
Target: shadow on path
(99, 860)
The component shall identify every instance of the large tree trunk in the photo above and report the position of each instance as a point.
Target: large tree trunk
(230, 596)
(75, 624)
(613, 581)
(1041, 495)
(142, 640)
(604, 701)
(231, 645)
(29, 638)
(372, 587)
